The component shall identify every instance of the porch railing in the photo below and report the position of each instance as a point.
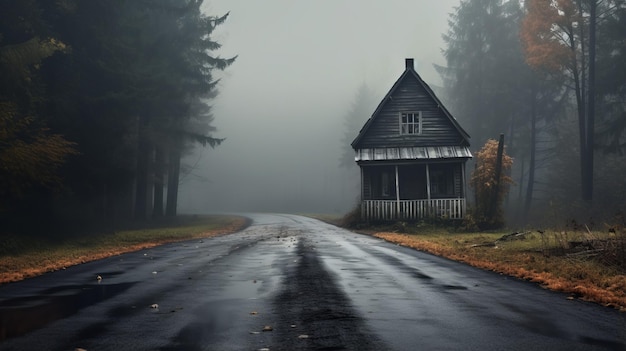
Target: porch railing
(413, 209)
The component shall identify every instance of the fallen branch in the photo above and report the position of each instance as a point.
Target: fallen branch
(512, 236)
(491, 244)
(505, 237)
(586, 253)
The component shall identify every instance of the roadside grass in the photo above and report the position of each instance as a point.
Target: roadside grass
(536, 257)
(23, 257)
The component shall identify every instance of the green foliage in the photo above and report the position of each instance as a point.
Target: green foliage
(19, 59)
(30, 156)
(469, 223)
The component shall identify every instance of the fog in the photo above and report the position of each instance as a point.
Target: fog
(282, 104)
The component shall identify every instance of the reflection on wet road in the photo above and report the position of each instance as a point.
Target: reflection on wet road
(293, 283)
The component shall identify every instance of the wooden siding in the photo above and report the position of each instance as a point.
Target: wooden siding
(387, 210)
(410, 96)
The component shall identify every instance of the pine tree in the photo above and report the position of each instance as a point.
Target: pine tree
(139, 70)
(485, 73)
(30, 154)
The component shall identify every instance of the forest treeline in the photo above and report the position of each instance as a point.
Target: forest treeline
(551, 76)
(99, 101)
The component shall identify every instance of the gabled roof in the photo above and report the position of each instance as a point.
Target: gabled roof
(409, 73)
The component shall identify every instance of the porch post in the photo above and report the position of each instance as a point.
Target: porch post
(362, 194)
(397, 194)
(428, 182)
(464, 191)
(362, 185)
(463, 179)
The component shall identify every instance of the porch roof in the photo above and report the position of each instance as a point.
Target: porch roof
(412, 153)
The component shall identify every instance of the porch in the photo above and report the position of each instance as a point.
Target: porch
(413, 209)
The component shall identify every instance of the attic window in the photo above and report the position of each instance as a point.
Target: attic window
(410, 123)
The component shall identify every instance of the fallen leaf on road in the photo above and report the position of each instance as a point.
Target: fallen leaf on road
(267, 328)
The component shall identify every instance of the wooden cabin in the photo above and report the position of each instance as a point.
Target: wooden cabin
(412, 155)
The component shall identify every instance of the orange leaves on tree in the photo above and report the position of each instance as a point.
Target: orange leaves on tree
(483, 181)
(484, 176)
(547, 31)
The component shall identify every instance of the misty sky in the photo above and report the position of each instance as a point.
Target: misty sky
(282, 103)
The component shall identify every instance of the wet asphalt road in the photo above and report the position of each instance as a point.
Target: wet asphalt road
(317, 286)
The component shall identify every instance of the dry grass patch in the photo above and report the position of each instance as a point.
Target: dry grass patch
(22, 258)
(525, 259)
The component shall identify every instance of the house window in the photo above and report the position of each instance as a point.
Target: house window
(410, 123)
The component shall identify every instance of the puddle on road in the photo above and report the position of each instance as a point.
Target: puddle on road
(453, 287)
(21, 315)
(249, 289)
(242, 290)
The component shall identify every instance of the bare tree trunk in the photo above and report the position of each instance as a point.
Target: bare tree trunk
(159, 164)
(172, 180)
(520, 187)
(511, 152)
(588, 186)
(533, 151)
(579, 88)
(496, 191)
(141, 190)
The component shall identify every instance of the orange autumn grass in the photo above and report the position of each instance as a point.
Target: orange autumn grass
(47, 258)
(586, 280)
